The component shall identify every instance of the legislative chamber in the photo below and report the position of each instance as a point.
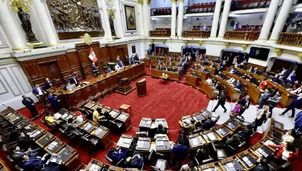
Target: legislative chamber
(178, 85)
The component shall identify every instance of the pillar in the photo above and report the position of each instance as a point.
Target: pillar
(180, 17)
(104, 13)
(118, 20)
(216, 19)
(10, 28)
(141, 17)
(282, 17)
(269, 19)
(147, 17)
(45, 22)
(224, 18)
(173, 19)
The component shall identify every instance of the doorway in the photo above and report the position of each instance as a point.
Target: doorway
(51, 70)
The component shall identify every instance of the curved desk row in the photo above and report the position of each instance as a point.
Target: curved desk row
(3, 166)
(247, 159)
(258, 77)
(45, 140)
(96, 87)
(252, 89)
(171, 75)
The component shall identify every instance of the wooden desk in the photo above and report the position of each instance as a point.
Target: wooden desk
(252, 89)
(81, 95)
(143, 144)
(145, 124)
(141, 87)
(158, 73)
(208, 90)
(286, 99)
(230, 90)
(125, 107)
(97, 165)
(125, 141)
(196, 141)
(3, 166)
(125, 119)
(104, 135)
(256, 76)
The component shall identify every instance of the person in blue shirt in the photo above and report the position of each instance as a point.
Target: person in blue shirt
(116, 154)
(180, 149)
(54, 102)
(136, 161)
(32, 162)
(291, 77)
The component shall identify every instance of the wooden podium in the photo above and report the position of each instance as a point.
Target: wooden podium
(124, 86)
(141, 87)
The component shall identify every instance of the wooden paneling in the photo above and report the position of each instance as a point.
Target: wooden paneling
(62, 66)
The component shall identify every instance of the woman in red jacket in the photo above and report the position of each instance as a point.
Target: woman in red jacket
(285, 149)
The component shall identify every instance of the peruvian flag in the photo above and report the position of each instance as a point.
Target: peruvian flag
(92, 56)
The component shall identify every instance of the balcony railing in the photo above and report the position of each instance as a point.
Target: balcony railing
(290, 39)
(161, 11)
(242, 35)
(200, 8)
(244, 4)
(160, 33)
(196, 33)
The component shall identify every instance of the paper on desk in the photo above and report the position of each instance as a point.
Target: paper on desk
(160, 143)
(211, 136)
(194, 142)
(127, 140)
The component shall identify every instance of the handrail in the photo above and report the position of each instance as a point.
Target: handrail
(196, 33)
(242, 35)
(290, 39)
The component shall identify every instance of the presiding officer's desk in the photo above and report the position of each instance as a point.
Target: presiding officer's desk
(45, 140)
(96, 87)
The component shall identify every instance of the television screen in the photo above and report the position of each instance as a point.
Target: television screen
(259, 53)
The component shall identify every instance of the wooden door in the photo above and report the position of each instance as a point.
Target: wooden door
(120, 52)
(51, 70)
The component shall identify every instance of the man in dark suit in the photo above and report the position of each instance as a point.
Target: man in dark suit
(245, 103)
(295, 104)
(74, 80)
(53, 100)
(40, 94)
(30, 104)
(47, 84)
(221, 101)
(273, 102)
(263, 166)
(291, 77)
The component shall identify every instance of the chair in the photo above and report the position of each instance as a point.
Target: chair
(220, 151)
(231, 149)
(157, 161)
(212, 124)
(276, 165)
(212, 155)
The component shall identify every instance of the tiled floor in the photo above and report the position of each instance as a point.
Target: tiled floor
(250, 115)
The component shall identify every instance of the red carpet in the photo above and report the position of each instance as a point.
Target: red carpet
(169, 100)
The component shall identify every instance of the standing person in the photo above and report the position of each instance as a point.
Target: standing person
(221, 101)
(40, 94)
(261, 117)
(30, 104)
(295, 104)
(47, 84)
(245, 104)
(264, 98)
(273, 101)
(53, 100)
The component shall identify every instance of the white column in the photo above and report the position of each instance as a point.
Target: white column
(269, 19)
(173, 18)
(104, 13)
(224, 18)
(118, 20)
(141, 18)
(282, 17)
(147, 17)
(216, 19)
(180, 17)
(10, 28)
(45, 22)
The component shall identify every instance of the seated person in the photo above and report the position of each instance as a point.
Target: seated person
(190, 127)
(285, 149)
(96, 115)
(234, 141)
(49, 119)
(236, 110)
(117, 67)
(237, 84)
(79, 120)
(233, 71)
(54, 163)
(71, 128)
(263, 166)
(136, 161)
(191, 166)
(161, 130)
(231, 80)
(95, 70)
(202, 153)
(209, 81)
(263, 85)
(246, 133)
(116, 154)
(207, 124)
(32, 162)
(107, 70)
(277, 78)
(18, 151)
(24, 142)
